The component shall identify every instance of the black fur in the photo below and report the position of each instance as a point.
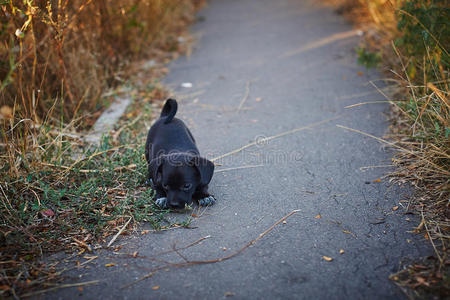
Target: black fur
(177, 171)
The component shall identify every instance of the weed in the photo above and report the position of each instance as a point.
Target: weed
(367, 58)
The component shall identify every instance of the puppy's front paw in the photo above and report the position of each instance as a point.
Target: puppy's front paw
(210, 200)
(161, 202)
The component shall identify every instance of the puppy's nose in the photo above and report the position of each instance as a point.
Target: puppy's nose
(177, 204)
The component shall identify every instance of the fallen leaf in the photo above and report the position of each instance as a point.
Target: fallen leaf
(110, 265)
(341, 251)
(6, 112)
(48, 212)
(258, 99)
(420, 267)
(318, 216)
(360, 73)
(4, 287)
(426, 236)
(377, 180)
(395, 208)
(80, 288)
(156, 287)
(194, 215)
(135, 253)
(327, 258)
(90, 257)
(145, 231)
(418, 228)
(422, 281)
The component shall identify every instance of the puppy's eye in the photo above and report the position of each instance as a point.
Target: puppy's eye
(165, 186)
(187, 186)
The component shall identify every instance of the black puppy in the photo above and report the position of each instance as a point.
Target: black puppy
(177, 172)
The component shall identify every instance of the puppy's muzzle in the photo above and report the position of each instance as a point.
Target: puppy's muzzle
(176, 204)
(175, 200)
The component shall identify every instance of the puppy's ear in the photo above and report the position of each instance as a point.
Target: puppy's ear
(154, 167)
(205, 168)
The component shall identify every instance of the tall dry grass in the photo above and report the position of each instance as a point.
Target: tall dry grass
(72, 50)
(413, 39)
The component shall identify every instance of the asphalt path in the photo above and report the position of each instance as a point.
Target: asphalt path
(270, 84)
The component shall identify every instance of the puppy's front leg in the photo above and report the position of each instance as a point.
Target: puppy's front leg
(161, 199)
(204, 198)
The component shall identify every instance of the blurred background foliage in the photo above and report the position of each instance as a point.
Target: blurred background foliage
(73, 50)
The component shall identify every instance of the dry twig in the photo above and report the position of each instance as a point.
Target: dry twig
(118, 233)
(61, 286)
(187, 262)
(247, 92)
(238, 168)
(274, 137)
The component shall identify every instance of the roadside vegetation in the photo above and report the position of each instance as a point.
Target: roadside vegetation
(61, 64)
(410, 40)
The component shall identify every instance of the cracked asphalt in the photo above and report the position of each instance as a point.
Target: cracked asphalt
(278, 74)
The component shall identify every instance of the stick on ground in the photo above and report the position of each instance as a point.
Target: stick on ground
(211, 261)
(61, 286)
(238, 168)
(120, 231)
(247, 92)
(274, 137)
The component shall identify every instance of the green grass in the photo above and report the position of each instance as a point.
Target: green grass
(63, 192)
(367, 58)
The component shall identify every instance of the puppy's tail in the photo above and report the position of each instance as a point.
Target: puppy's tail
(169, 110)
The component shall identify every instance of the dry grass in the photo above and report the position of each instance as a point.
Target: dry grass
(74, 50)
(413, 37)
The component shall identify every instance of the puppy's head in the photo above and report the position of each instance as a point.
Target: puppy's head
(179, 175)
